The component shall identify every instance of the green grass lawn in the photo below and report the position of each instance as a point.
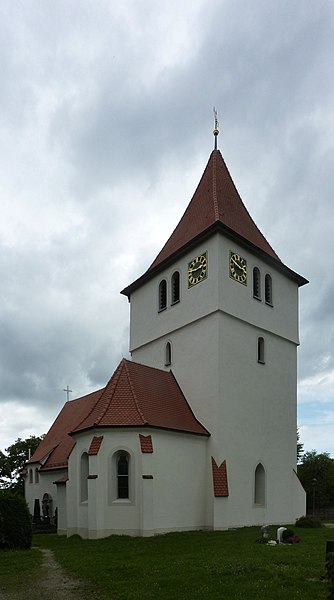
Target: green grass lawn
(196, 565)
(18, 569)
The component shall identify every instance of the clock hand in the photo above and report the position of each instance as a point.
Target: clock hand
(195, 269)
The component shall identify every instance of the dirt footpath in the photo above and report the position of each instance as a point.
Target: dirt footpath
(54, 584)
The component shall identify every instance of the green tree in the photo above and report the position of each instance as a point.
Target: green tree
(300, 447)
(13, 460)
(316, 473)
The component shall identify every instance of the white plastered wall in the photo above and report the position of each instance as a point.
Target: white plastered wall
(171, 496)
(248, 407)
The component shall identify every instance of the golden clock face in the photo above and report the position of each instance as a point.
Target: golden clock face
(238, 268)
(197, 269)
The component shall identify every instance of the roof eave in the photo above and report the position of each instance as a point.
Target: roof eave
(203, 235)
(144, 426)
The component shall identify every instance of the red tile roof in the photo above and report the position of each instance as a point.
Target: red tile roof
(219, 475)
(57, 445)
(95, 445)
(146, 445)
(136, 395)
(215, 206)
(216, 199)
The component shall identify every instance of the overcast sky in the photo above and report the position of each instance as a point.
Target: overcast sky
(105, 129)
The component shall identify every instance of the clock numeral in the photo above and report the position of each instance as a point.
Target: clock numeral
(197, 270)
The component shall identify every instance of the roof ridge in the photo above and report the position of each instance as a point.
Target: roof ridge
(91, 410)
(134, 393)
(214, 186)
(113, 383)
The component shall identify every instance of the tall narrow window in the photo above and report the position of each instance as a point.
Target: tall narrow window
(175, 287)
(260, 485)
(268, 290)
(84, 477)
(168, 354)
(36, 475)
(31, 476)
(123, 475)
(162, 294)
(256, 283)
(260, 350)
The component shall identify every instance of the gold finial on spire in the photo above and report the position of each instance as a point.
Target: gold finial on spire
(216, 129)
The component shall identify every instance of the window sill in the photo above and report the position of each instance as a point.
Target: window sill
(160, 310)
(122, 501)
(257, 298)
(175, 302)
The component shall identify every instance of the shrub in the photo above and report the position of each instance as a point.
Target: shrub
(308, 522)
(15, 522)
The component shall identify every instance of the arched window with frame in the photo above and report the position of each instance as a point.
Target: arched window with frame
(260, 485)
(122, 475)
(168, 354)
(268, 286)
(256, 283)
(260, 350)
(175, 287)
(162, 300)
(84, 472)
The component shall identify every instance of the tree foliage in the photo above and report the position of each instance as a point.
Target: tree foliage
(316, 473)
(300, 448)
(15, 522)
(13, 460)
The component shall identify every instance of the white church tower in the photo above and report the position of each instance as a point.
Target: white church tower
(219, 308)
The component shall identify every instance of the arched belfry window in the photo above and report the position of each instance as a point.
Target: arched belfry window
(84, 477)
(175, 287)
(256, 283)
(260, 350)
(268, 285)
(260, 485)
(122, 474)
(162, 300)
(168, 354)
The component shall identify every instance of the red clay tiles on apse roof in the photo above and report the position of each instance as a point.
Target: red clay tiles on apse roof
(135, 396)
(138, 395)
(216, 200)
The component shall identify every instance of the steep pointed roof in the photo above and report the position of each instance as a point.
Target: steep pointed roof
(215, 206)
(138, 395)
(216, 199)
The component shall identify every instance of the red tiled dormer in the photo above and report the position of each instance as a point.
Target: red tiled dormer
(219, 476)
(146, 445)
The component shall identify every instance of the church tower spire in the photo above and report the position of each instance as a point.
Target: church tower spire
(216, 128)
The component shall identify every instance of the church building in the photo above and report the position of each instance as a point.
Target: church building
(198, 430)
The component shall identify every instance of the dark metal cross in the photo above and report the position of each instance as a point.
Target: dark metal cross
(67, 390)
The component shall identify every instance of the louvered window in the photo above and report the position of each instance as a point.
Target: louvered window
(268, 290)
(162, 294)
(256, 283)
(175, 287)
